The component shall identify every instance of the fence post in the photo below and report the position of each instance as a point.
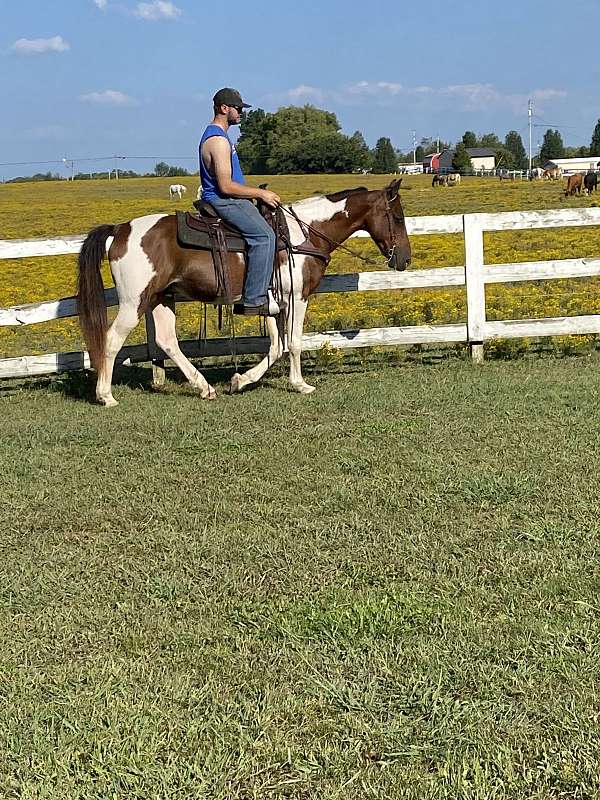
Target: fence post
(475, 285)
(155, 354)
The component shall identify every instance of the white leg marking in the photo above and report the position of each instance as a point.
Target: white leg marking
(124, 323)
(239, 382)
(166, 339)
(295, 327)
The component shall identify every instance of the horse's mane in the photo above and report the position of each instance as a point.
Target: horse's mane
(335, 197)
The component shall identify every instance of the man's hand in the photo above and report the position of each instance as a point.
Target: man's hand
(270, 198)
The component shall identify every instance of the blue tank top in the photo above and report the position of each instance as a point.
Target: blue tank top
(210, 188)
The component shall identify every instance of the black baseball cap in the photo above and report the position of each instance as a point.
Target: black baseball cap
(229, 97)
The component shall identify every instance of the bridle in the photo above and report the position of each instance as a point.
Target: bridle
(390, 216)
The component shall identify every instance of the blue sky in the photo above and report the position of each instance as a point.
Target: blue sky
(90, 78)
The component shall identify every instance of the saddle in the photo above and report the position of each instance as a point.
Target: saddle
(207, 231)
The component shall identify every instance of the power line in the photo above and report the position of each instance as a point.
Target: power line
(96, 158)
(552, 125)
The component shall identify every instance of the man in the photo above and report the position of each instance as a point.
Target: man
(223, 186)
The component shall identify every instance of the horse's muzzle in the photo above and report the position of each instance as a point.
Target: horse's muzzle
(398, 260)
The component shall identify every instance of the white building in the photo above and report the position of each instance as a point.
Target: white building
(570, 166)
(482, 158)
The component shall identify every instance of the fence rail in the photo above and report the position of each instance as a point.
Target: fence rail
(474, 275)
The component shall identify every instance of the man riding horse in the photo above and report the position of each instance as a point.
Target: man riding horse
(223, 186)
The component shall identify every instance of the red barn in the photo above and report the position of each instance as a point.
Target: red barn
(431, 163)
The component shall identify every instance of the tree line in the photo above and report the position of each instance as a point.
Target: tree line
(161, 170)
(511, 153)
(306, 139)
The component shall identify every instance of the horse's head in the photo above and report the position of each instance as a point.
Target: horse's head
(385, 224)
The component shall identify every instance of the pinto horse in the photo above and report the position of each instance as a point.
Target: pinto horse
(146, 260)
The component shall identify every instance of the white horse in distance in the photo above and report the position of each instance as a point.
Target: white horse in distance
(177, 189)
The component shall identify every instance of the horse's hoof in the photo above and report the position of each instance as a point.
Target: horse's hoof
(305, 388)
(236, 384)
(209, 394)
(108, 402)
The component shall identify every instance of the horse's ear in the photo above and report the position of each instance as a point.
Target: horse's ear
(393, 188)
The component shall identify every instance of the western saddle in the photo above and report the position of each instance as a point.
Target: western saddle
(207, 231)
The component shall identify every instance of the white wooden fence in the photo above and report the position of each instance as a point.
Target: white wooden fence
(474, 276)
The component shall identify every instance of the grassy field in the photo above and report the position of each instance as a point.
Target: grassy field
(46, 209)
(387, 590)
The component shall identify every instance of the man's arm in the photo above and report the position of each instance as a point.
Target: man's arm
(217, 148)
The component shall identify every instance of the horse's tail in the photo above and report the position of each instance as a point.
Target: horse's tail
(91, 306)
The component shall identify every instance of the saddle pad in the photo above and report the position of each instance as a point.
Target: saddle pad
(192, 232)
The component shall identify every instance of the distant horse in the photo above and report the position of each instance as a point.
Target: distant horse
(537, 173)
(146, 259)
(439, 180)
(553, 174)
(590, 182)
(454, 179)
(506, 176)
(574, 184)
(177, 189)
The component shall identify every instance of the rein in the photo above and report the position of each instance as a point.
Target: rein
(306, 228)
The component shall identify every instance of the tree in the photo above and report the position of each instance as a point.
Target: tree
(292, 127)
(419, 154)
(161, 169)
(595, 144)
(461, 161)
(164, 170)
(577, 152)
(253, 144)
(384, 157)
(469, 139)
(490, 140)
(514, 144)
(433, 145)
(299, 139)
(552, 146)
(364, 158)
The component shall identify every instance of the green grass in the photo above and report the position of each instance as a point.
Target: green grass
(386, 590)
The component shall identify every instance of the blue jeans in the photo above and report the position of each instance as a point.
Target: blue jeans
(261, 245)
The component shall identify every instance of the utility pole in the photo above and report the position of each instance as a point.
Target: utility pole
(414, 133)
(66, 162)
(529, 112)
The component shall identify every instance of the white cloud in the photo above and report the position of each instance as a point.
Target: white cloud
(548, 94)
(109, 97)
(464, 96)
(158, 9)
(56, 44)
(304, 92)
(101, 4)
(479, 97)
(379, 87)
(486, 96)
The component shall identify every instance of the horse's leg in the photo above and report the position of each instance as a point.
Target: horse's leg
(296, 314)
(239, 382)
(166, 339)
(124, 323)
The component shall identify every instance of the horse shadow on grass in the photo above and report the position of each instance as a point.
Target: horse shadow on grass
(80, 384)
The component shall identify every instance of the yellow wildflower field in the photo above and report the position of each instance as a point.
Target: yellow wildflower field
(49, 209)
